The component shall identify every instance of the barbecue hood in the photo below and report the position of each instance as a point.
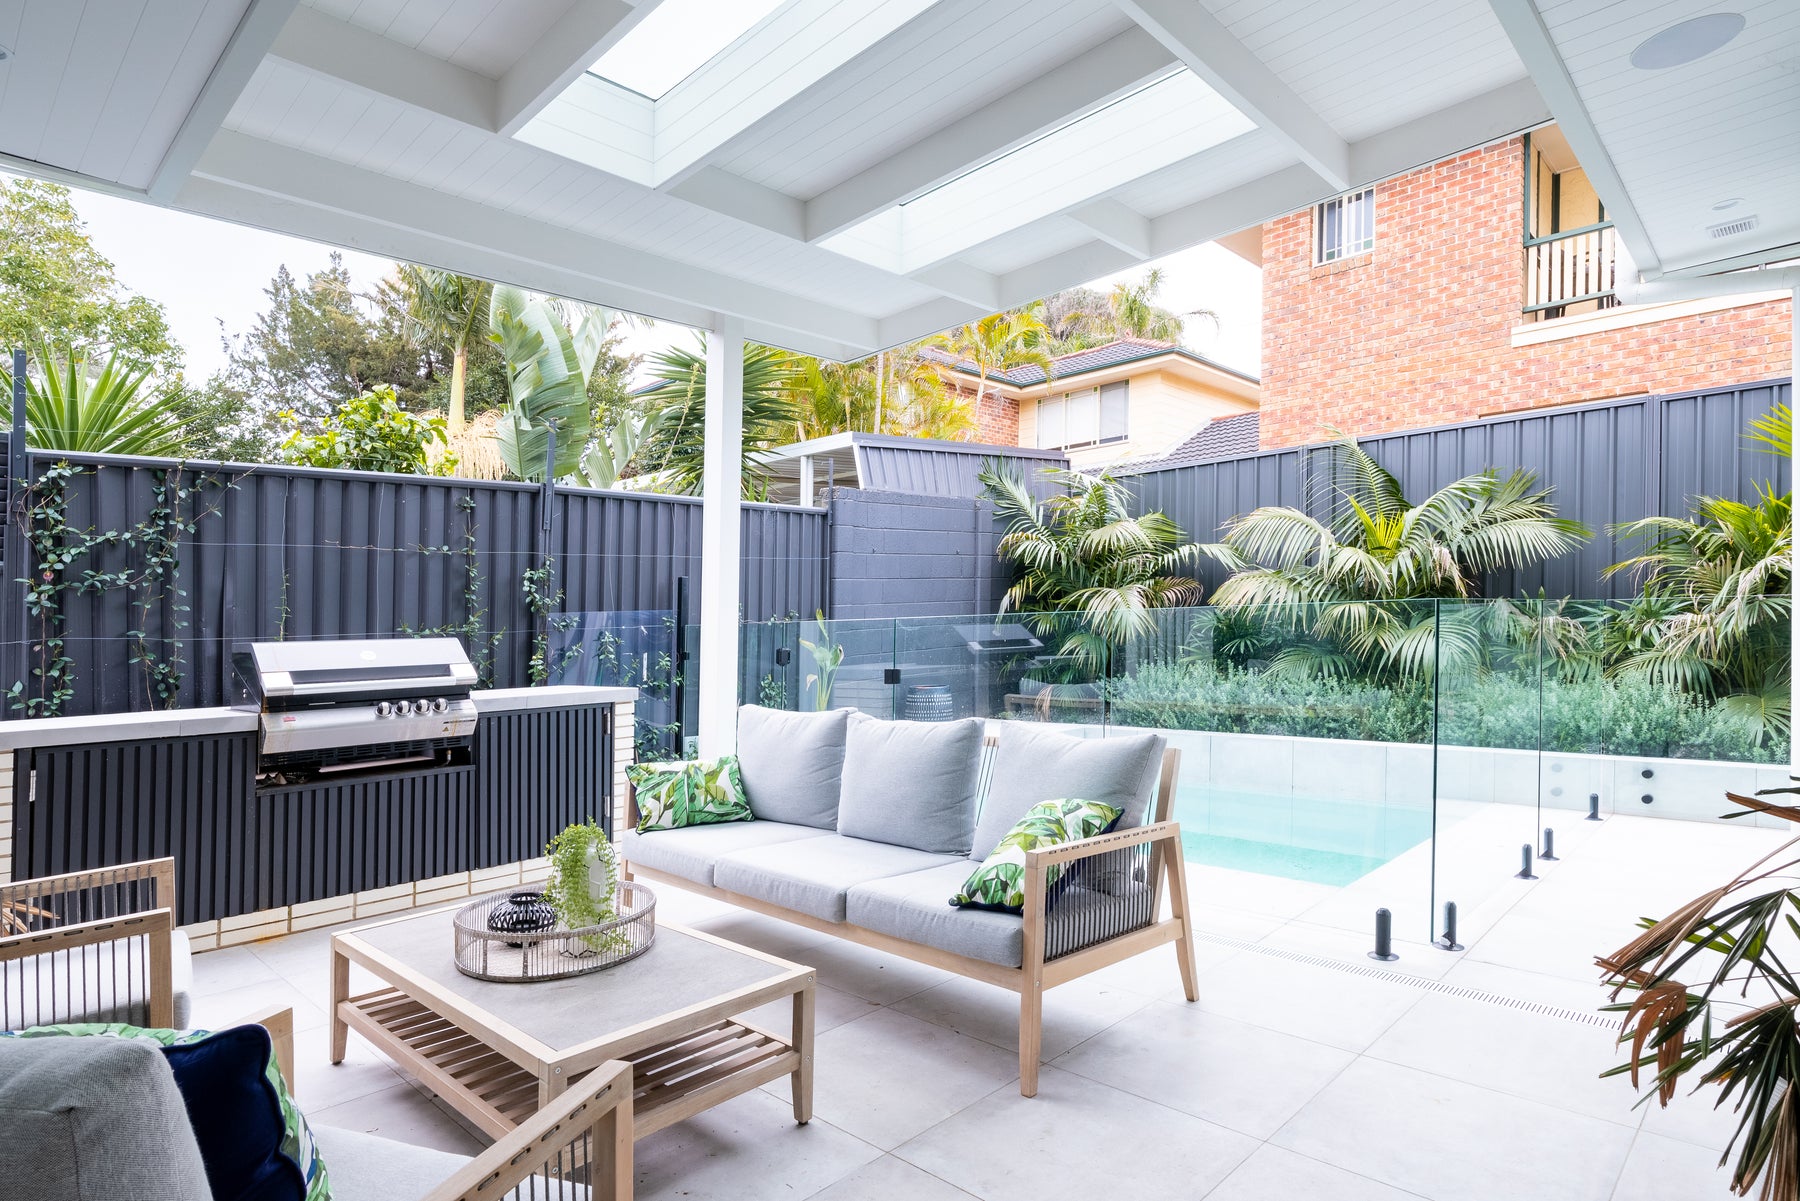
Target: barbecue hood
(355, 702)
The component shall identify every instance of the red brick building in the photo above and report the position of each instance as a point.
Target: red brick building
(1476, 286)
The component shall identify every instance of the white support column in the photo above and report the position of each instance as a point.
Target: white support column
(1794, 569)
(722, 497)
(808, 481)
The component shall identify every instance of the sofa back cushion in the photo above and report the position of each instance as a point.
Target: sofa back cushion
(1033, 764)
(792, 764)
(93, 1118)
(911, 783)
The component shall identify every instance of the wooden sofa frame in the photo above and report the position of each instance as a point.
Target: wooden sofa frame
(1036, 973)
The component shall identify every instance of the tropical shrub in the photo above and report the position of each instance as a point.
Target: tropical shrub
(371, 432)
(112, 411)
(673, 451)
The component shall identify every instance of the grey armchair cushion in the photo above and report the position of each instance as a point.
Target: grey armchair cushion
(101, 982)
(1033, 764)
(916, 907)
(367, 1167)
(813, 874)
(93, 1118)
(691, 851)
(912, 783)
(792, 764)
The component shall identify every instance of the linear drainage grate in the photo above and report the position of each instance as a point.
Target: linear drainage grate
(1605, 1020)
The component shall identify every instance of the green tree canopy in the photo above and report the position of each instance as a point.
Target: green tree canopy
(56, 289)
(372, 432)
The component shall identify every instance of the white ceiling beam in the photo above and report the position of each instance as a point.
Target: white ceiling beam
(375, 202)
(1503, 112)
(1537, 50)
(1052, 99)
(775, 62)
(923, 320)
(1116, 224)
(1699, 266)
(584, 33)
(1207, 48)
(323, 45)
(1274, 195)
(1090, 260)
(250, 41)
(960, 281)
(711, 188)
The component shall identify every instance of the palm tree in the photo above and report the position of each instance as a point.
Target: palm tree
(1089, 572)
(674, 450)
(1344, 579)
(444, 306)
(897, 392)
(1000, 342)
(111, 412)
(1135, 314)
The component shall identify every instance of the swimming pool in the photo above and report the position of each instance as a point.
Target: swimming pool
(1299, 838)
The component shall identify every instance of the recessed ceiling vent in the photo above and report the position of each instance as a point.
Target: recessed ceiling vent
(1731, 229)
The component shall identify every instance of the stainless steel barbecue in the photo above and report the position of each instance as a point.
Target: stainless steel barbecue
(339, 705)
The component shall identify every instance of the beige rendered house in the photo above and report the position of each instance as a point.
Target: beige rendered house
(1126, 399)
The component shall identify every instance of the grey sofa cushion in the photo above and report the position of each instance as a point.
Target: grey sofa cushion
(1032, 764)
(116, 975)
(912, 783)
(367, 1167)
(916, 907)
(813, 874)
(93, 1118)
(792, 764)
(691, 851)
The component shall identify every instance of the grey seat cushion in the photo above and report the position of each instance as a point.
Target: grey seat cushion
(1032, 764)
(813, 874)
(911, 783)
(691, 851)
(102, 982)
(367, 1167)
(792, 764)
(916, 907)
(93, 1118)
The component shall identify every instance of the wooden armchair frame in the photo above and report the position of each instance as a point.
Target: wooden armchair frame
(1039, 970)
(589, 1126)
(35, 920)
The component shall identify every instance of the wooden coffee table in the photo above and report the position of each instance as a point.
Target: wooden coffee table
(499, 1052)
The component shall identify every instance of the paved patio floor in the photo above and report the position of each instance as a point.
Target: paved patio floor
(1305, 1070)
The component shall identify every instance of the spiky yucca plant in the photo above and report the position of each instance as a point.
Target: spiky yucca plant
(112, 411)
(1089, 571)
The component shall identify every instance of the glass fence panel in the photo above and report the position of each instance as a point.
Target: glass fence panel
(634, 649)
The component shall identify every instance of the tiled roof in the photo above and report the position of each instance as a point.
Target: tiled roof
(1096, 358)
(1226, 438)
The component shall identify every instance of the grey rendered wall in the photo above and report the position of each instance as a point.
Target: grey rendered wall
(897, 555)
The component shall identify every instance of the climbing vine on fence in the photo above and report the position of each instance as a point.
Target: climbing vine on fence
(535, 581)
(63, 561)
(482, 644)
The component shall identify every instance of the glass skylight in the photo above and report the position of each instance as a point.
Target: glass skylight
(676, 39)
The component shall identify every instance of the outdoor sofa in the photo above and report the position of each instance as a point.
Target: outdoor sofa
(865, 829)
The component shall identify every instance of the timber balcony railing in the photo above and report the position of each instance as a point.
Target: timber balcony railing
(1570, 268)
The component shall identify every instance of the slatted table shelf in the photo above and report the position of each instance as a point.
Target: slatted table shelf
(497, 1052)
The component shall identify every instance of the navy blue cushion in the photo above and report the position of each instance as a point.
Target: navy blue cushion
(236, 1115)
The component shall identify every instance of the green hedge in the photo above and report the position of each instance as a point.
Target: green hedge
(1597, 716)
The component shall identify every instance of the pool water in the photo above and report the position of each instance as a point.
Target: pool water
(1315, 839)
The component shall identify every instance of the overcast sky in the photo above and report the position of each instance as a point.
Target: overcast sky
(207, 272)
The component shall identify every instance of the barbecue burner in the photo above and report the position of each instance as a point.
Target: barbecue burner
(355, 703)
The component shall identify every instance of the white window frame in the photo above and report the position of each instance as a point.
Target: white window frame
(1063, 405)
(1344, 227)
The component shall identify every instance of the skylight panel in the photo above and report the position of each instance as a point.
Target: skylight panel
(677, 38)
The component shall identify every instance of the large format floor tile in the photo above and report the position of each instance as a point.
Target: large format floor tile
(1666, 1169)
(1073, 1012)
(748, 1149)
(1320, 1004)
(1075, 1141)
(1451, 1141)
(1273, 1174)
(1240, 1076)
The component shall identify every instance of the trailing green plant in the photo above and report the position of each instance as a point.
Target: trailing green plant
(1736, 1029)
(827, 657)
(69, 406)
(772, 693)
(482, 645)
(539, 601)
(570, 888)
(1089, 572)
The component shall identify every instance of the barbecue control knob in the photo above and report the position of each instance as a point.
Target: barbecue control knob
(422, 706)
(402, 708)
(383, 709)
(440, 705)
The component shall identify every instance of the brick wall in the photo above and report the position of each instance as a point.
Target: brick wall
(996, 417)
(1418, 332)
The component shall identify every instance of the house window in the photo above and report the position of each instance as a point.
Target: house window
(1090, 417)
(1344, 226)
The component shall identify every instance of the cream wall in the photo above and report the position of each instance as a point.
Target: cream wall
(1165, 409)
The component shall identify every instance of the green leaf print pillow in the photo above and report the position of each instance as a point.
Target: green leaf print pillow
(999, 883)
(693, 794)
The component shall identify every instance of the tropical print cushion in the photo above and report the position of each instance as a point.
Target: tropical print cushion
(999, 883)
(696, 793)
(227, 1114)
